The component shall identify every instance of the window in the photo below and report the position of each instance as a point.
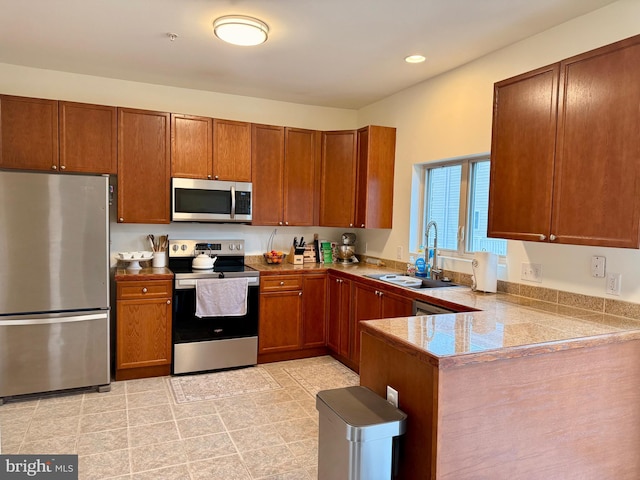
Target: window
(456, 196)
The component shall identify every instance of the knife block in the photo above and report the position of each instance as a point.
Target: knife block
(294, 257)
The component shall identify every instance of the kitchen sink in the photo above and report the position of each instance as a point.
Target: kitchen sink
(411, 282)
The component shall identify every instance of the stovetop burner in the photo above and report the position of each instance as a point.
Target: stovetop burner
(229, 262)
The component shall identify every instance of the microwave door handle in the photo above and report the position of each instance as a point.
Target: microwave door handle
(233, 201)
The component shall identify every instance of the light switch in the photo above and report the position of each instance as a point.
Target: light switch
(598, 266)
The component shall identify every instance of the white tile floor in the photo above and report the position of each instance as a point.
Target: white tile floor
(138, 430)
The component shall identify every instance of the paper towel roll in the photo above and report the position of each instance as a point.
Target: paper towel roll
(485, 272)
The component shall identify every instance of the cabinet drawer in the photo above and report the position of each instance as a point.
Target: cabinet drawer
(148, 289)
(271, 284)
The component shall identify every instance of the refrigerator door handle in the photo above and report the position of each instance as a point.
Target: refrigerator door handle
(51, 320)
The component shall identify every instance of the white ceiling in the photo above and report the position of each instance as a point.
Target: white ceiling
(337, 53)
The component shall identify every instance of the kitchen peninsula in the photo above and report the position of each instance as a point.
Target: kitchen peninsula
(510, 391)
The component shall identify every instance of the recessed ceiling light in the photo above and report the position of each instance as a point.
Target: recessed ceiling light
(240, 30)
(414, 59)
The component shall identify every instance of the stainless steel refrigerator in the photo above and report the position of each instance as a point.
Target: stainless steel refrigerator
(54, 282)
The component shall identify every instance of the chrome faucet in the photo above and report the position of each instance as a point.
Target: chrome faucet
(435, 271)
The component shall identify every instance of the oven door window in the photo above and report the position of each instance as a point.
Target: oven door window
(189, 200)
(189, 328)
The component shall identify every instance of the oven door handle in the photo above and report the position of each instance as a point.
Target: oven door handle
(191, 283)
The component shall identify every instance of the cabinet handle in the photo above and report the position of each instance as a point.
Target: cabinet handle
(54, 167)
(281, 283)
(168, 302)
(62, 167)
(144, 290)
(543, 237)
(552, 237)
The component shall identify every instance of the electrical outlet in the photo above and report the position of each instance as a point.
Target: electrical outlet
(399, 253)
(614, 283)
(392, 396)
(531, 272)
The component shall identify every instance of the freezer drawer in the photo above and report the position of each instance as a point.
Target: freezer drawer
(41, 353)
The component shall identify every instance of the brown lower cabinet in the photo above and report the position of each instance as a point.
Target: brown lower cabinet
(339, 332)
(292, 316)
(371, 303)
(143, 332)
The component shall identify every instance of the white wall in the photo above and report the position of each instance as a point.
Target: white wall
(450, 116)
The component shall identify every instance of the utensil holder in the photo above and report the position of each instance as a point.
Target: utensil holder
(159, 260)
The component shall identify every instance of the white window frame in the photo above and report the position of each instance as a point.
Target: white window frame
(419, 207)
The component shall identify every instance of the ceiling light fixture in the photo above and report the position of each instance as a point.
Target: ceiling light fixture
(240, 30)
(414, 59)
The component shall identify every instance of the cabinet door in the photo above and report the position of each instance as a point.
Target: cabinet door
(366, 306)
(191, 146)
(314, 318)
(339, 313)
(522, 155)
(231, 150)
(267, 164)
(28, 133)
(143, 166)
(376, 162)
(395, 305)
(280, 319)
(301, 177)
(143, 333)
(88, 138)
(337, 190)
(597, 170)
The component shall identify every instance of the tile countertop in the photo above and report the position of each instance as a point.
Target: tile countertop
(503, 326)
(145, 273)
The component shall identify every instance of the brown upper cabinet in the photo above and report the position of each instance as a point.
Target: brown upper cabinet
(285, 170)
(337, 187)
(143, 166)
(565, 149)
(191, 146)
(357, 178)
(61, 136)
(376, 162)
(231, 150)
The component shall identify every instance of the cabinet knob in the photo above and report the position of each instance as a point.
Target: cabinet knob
(216, 177)
(209, 177)
(552, 237)
(543, 237)
(168, 302)
(351, 224)
(299, 294)
(54, 167)
(121, 219)
(286, 223)
(280, 223)
(62, 167)
(362, 225)
(281, 283)
(144, 290)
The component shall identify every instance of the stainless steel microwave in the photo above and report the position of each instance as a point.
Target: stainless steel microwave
(210, 201)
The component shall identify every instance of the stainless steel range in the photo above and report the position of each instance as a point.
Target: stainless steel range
(211, 342)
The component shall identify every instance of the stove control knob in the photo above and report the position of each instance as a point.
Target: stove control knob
(232, 246)
(183, 247)
(175, 248)
(239, 246)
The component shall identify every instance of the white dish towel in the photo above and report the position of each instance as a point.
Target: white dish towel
(221, 297)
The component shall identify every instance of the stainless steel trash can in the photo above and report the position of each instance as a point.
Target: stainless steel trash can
(356, 438)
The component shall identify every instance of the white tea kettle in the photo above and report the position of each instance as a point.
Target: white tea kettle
(203, 262)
